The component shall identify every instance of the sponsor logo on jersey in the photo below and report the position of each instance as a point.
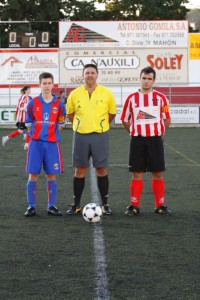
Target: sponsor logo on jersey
(54, 110)
(143, 115)
(46, 116)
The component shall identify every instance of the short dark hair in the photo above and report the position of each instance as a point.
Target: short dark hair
(148, 70)
(90, 66)
(25, 88)
(45, 75)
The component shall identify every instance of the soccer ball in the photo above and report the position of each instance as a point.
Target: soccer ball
(92, 213)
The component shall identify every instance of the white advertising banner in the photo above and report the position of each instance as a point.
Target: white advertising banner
(7, 115)
(120, 66)
(179, 115)
(185, 114)
(137, 34)
(25, 65)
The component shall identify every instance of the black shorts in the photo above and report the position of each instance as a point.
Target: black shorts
(146, 154)
(21, 126)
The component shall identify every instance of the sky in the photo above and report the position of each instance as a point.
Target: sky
(193, 4)
(190, 5)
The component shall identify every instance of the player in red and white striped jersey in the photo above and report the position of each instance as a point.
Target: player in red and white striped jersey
(20, 115)
(146, 115)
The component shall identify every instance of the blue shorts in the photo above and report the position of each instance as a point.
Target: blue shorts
(44, 154)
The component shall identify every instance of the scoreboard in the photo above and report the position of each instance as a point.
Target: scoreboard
(39, 39)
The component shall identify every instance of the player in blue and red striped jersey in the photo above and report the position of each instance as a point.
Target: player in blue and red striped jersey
(146, 115)
(45, 119)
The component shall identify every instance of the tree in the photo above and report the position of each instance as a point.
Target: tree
(146, 9)
(43, 15)
(39, 14)
(85, 11)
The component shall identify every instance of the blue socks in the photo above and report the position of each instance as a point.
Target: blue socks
(31, 187)
(52, 191)
(31, 193)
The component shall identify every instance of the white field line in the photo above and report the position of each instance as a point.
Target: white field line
(183, 155)
(100, 279)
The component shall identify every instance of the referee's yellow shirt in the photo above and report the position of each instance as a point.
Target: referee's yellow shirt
(91, 114)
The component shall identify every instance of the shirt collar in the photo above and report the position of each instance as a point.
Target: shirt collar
(42, 100)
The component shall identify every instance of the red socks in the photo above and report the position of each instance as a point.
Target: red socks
(136, 188)
(13, 134)
(158, 188)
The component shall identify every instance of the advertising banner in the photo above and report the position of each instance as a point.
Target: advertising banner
(121, 66)
(136, 34)
(194, 46)
(7, 115)
(185, 114)
(25, 65)
(179, 115)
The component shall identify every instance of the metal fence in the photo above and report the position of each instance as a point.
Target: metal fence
(177, 94)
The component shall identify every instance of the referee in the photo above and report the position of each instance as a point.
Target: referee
(90, 107)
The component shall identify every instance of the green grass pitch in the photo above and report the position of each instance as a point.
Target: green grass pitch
(146, 257)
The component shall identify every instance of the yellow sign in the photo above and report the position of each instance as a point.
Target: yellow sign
(194, 45)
